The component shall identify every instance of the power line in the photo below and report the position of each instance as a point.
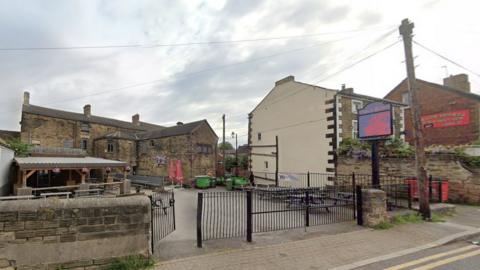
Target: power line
(335, 73)
(446, 58)
(202, 71)
(156, 45)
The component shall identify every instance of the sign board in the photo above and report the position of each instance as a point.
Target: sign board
(375, 121)
(446, 119)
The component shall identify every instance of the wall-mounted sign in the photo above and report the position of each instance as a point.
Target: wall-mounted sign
(375, 121)
(160, 160)
(446, 119)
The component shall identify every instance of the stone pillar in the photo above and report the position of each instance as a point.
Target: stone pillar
(24, 191)
(125, 187)
(84, 186)
(374, 202)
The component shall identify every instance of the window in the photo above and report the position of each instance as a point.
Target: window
(266, 164)
(204, 149)
(110, 146)
(356, 105)
(152, 143)
(406, 98)
(259, 136)
(355, 129)
(84, 144)
(85, 127)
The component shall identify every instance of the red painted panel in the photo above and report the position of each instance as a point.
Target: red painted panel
(446, 119)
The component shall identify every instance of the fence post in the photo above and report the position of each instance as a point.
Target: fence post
(308, 179)
(430, 178)
(307, 209)
(152, 223)
(354, 195)
(199, 219)
(409, 194)
(249, 216)
(358, 190)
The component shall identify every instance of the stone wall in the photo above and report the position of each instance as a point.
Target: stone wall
(464, 184)
(124, 150)
(73, 232)
(55, 132)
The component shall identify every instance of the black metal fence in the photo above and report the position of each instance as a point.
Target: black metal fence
(242, 213)
(163, 215)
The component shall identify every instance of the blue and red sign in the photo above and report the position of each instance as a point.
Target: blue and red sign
(375, 121)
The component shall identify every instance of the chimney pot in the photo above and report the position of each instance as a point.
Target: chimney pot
(26, 98)
(87, 110)
(136, 119)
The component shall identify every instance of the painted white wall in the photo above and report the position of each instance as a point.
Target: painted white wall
(6, 158)
(296, 113)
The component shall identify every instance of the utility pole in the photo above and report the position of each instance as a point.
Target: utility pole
(406, 30)
(223, 146)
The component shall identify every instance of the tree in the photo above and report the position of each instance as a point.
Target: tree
(20, 148)
(228, 146)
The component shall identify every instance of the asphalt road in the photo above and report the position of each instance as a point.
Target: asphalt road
(461, 255)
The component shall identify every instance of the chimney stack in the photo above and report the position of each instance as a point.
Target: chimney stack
(179, 123)
(87, 110)
(26, 98)
(459, 82)
(346, 90)
(136, 119)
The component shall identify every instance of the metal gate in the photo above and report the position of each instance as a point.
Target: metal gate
(163, 215)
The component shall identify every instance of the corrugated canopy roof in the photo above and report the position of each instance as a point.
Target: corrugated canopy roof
(65, 162)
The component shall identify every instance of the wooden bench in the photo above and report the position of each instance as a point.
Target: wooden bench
(49, 194)
(88, 192)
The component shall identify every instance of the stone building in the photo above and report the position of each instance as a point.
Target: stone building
(146, 147)
(450, 112)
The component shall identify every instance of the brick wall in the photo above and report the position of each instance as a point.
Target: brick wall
(435, 100)
(73, 232)
(464, 184)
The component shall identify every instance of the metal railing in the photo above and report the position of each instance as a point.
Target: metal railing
(242, 213)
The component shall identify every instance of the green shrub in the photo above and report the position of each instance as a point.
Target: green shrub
(397, 148)
(349, 145)
(131, 263)
(470, 161)
(408, 218)
(20, 148)
(437, 218)
(384, 225)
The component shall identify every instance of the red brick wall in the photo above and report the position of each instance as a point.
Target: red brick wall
(437, 100)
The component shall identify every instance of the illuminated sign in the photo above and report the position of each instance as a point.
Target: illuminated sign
(447, 119)
(375, 120)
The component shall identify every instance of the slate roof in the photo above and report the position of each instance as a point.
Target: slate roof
(173, 131)
(65, 162)
(439, 86)
(360, 96)
(33, 109)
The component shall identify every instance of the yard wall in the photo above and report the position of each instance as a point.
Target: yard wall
(464, 185)
(68, 233)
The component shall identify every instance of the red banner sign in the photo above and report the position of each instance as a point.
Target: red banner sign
(447, 119)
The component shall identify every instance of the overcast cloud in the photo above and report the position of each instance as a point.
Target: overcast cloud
(187, 83)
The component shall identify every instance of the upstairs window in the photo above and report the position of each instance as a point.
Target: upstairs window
(259, 136)
(68, 143)
(356, 106)
(110, 147)
(266, 164)
(85, 127)
(406, 98)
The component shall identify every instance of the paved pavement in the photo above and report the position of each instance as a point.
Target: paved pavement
(348, 250)
(458, 255)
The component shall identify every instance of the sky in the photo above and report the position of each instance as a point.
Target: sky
(188, 60)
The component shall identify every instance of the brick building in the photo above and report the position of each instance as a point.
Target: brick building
(146, 147)
(450, 112)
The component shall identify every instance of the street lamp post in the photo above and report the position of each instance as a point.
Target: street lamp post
(235, 136)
